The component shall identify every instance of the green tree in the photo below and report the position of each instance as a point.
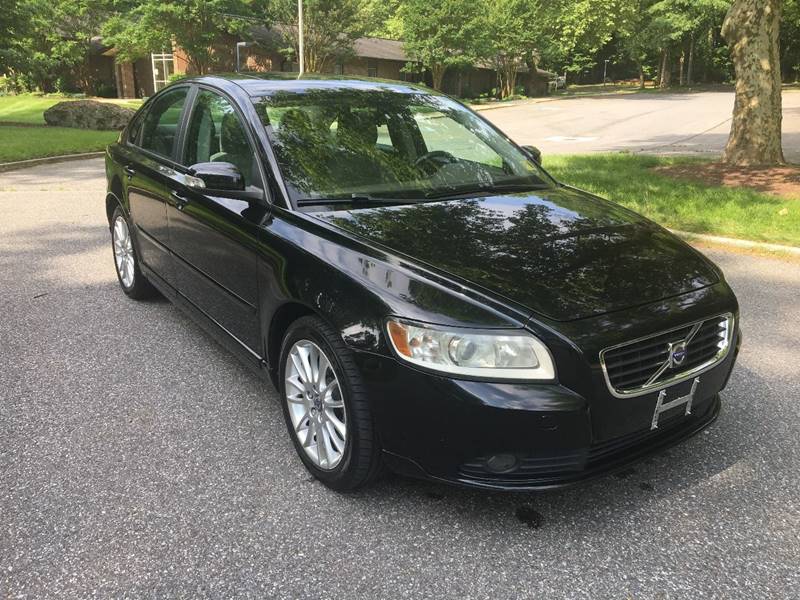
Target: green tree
(44, 41)
(143, 26)
(513, 39)
(560, 34)
(330, 28)
(70, 26)
(14, 27)
(672, 30)
(790, 40)
(443, 35)
(384, 19)
(13, 19)
(577, 29)
(674, 26)
(635, 39)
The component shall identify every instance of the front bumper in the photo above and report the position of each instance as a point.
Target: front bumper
(547, 435)
(542, 470)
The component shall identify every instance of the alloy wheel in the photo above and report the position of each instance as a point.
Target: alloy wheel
(316, 405)
(123, 251)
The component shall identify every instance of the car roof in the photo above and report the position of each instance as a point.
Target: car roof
(265, 84)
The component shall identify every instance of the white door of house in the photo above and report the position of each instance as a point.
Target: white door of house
(163, 68)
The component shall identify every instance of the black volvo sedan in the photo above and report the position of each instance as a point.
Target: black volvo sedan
(424, 296)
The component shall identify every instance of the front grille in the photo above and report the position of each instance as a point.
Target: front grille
(662, 359)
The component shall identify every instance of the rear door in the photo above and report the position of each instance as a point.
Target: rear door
(151, 174)
(213, 238)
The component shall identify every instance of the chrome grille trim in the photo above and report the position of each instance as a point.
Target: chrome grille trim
(661, 378)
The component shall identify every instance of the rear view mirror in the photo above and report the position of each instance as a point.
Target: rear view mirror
(216, 176)
(533, 153)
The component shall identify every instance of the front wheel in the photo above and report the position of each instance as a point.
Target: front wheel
(126, 261)
(325, 407)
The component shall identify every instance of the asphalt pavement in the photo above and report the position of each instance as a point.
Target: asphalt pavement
(139, 459)
(661, 123)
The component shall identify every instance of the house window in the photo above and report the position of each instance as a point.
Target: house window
(372, 68)
(163, 69)
(338, 69)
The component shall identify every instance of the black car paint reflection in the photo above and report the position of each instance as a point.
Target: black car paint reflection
(563, 254)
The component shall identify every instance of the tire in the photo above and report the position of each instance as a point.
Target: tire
(359, 460)
(126, 260)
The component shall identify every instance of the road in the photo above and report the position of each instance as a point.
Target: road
(139, 459)
(696, 123)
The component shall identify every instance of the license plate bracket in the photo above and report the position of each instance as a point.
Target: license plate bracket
(662, 406)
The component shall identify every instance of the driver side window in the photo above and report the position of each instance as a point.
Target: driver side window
(217, 134)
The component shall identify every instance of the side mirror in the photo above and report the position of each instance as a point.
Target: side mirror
(533, 153)
(215, 176)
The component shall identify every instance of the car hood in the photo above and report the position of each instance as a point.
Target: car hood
(561, 253)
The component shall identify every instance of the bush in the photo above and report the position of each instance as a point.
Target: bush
(65, 84)
(106, 90)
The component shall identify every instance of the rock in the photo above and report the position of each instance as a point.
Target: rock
(88, 114)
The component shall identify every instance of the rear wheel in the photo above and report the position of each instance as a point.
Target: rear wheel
(325, 407)
(126, 261)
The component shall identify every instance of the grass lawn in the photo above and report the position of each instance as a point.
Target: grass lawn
(629, 180)
(593, 89)
(23, 142)
(26, 108)
(20, 143)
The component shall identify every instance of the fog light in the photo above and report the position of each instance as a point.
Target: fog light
(501, 463)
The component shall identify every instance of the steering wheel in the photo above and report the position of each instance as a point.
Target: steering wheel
(432, 161)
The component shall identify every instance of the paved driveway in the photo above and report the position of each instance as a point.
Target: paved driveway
(137, 458)
(663, 123)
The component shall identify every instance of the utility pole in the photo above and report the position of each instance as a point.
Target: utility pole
(300, 35)
(605, 70)
(239, 46)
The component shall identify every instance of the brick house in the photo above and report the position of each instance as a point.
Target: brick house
(372, 57)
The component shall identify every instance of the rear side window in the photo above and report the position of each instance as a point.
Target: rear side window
(160, 124)
(135, 127)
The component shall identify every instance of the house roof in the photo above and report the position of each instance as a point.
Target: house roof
(369, 47)
(365, 47)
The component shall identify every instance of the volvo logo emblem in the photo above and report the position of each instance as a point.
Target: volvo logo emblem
(677, 354)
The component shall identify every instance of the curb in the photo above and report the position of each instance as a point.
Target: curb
(736, 243)
(497, 105)
(543, 99)
(32, 162)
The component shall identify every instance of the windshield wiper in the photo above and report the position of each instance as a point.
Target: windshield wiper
(484, 190)
(355, 199)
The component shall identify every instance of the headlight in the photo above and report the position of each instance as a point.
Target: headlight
(501, 355)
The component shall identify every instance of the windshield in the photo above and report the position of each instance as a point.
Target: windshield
(345, 145)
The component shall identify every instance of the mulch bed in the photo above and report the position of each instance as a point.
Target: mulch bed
(779, 181)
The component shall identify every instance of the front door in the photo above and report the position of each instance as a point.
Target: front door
(151, 179)
(213, 237)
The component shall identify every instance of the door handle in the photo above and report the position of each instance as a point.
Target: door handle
(180, 201)
(129, 171)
